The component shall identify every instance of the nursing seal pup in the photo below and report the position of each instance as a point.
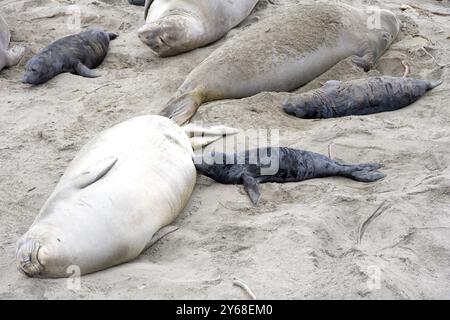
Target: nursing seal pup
(283, 52)
(8, 57)
(176, 26)
(278, 165)
(122, 188)
(358, 97)
(77, 54)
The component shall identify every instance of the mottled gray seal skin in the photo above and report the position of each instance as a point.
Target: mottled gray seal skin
(77, 54)
(293, 166)
(358, 97)
(137, 2)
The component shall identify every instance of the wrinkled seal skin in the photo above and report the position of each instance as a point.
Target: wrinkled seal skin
(176, 26)
(293, 166)
(358, 97)
(283, 52)
(120, 191)
(8, 57)
(77, 54)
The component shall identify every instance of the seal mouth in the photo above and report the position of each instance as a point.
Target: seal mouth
(27, 258)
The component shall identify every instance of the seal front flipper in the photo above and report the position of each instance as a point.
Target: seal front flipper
(93, 174)
(252, 187)
(161, 233)
(112, 35)
(84, 71)
(366, 62)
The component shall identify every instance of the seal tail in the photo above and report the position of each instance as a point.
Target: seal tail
(27, 257)
(435, 84)
(366, 172)
(112, 35)
(183, 108)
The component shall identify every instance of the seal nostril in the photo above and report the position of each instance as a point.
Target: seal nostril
(27, 258)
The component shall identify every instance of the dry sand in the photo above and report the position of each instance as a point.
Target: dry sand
(301, 242)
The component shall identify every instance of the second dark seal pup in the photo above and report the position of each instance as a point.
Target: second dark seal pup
(358, 97)
(279, 165)
(77, 54)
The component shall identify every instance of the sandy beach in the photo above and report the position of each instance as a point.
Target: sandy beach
(318, 239)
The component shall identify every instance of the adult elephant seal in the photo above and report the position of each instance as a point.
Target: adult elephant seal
(176, 26)
(8, 57)
(358, 97)
(279, 165)
(78, 54)
(284, 52)
(123, 186)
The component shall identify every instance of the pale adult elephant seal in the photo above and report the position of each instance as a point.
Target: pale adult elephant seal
(123, 186)
(8, 57)
(284, 52)
(176, 26)
(282, 165)
(78, 54)
(358, 97)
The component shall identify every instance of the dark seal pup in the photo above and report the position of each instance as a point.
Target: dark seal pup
(278, 165)
(358, 97)
(78, 54)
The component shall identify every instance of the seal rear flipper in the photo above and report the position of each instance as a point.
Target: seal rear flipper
(148, 3)
(252, 187)
(84, 71)
(366, 173)
(182, 109)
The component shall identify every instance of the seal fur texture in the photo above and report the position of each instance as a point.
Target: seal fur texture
(358, 97)
(124, 186)
(284, 52)
(8, 57)
(176, 26)
(77, 54)
(279, 165)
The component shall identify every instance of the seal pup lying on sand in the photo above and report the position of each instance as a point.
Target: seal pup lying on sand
(176, 26)
(283, 52)
(78, 54)
(278, 165)
(123, 186)
(358, 97)
(8, 57)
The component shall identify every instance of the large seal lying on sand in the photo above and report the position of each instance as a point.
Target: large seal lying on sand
(8, 58)
(176, 26)
(282, 165)
(78, 54)
(124, 185)
(358, 97)
(284, 52)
